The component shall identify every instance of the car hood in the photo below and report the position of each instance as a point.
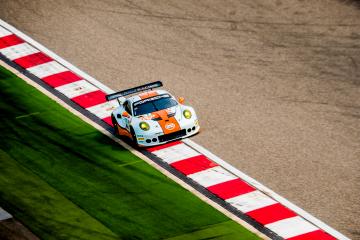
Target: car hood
(168, 112)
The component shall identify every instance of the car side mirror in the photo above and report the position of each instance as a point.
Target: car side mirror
(181, 100)
(125, 114)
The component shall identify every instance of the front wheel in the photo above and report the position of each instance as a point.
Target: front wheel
(133, 136)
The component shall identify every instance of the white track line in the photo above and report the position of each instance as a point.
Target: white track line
(196, 146)
(4, 32)
(4, 214)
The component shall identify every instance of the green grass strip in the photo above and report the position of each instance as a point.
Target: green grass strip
(65, 180)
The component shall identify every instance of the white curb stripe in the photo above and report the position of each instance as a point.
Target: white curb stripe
(251, 201)
(212, 176)
(18, 51)
(4, 32)
(103, 110)
(176, 153)
(77, 88)
(4, 215)
(47, 69)
(291, 227)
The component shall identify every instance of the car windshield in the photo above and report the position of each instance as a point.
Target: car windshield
(153, 104)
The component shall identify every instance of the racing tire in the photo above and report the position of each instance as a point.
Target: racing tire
(113, 120)
(133, 140)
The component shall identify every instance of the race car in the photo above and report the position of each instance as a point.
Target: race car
(152, 117)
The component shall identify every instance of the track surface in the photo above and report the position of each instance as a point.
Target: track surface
(281, 78)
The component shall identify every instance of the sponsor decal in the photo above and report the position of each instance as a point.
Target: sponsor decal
(146, 117)
(140, 89)
(151, 99)
(133, 90)
(170, 126)
(196, 122)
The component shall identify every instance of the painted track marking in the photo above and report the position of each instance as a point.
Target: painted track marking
(4, 214)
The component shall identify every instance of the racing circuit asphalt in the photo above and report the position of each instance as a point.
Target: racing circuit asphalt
(276, 84)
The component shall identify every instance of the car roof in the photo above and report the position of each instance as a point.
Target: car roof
(146, 94)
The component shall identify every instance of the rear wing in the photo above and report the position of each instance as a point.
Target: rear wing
(133, 90)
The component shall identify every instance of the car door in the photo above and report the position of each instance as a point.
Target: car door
(127, 108)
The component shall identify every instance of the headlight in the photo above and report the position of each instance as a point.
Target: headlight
(187, 114)
(144, 126)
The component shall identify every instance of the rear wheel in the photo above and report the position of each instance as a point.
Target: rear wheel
(115, 124)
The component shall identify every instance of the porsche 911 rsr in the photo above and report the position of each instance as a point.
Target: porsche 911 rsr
(152, 117)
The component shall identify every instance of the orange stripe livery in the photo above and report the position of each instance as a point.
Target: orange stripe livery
(168, 125)
(148, 94)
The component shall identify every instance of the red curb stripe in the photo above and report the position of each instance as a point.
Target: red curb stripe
(59, 79)
(270, 214)
(318, 235)
(166, 145)
(193, 165)
(231, 189)
(90, 99)
(10, 40)
(33, 60)
(108, 121)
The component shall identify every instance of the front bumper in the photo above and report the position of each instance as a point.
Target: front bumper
(158, 139)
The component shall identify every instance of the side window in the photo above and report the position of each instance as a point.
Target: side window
(127, 107)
